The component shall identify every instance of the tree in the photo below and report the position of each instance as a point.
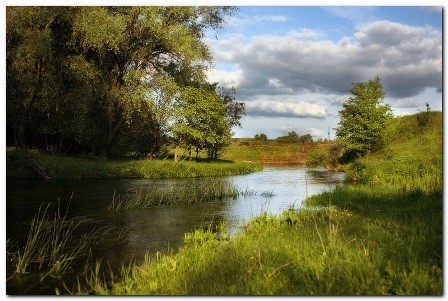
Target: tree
(261, 137)
(201, 121)
(291, 137)
(31, 71)
(111, 62)
(363, 119)
(235, 110)
(305, 139)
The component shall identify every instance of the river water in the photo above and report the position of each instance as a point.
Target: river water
(127, 235)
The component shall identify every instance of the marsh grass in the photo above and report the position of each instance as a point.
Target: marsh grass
(207, 189)
(203, 190)
(51, 246)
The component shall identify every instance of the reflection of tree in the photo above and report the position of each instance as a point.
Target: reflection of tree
(324, 176)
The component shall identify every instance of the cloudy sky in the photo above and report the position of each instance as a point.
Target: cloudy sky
(293, 66)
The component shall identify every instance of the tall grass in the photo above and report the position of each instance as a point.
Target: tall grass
(203, 190)
(412, 159)
(272, 152)
(51, 246)
(206, 189)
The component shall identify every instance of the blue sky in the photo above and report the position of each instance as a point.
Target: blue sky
(293, 66)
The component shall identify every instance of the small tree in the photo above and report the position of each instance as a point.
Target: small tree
(201, 121)
(363, 119)
(261, 137)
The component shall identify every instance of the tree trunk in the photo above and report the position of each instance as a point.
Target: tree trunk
(21, 137)
(176, 159)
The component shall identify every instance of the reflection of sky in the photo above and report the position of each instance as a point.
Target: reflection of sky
(290, 186)
(125, 236)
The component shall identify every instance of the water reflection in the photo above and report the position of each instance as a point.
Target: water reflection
(128, 235)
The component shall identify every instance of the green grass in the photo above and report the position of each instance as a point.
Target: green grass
(368, 242)
(383, 237)
(51, 246)
(411, 160)
(203, 190)
(62, 167)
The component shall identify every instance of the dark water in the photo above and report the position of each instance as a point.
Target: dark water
(126, 236)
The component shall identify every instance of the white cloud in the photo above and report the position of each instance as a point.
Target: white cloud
(285, 109)
(315, 132)
(226, 79)
(407, 58)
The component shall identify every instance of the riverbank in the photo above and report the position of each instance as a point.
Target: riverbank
(41, 165)
(368, 242)
(383, 237)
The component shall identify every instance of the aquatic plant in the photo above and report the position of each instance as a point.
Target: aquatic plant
(201, 190)
(51, 246)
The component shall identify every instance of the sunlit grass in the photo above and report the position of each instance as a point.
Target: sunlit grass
(62, 167)
(384, 237)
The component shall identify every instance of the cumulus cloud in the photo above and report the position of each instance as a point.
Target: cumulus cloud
(315, 132)
(269, 108)
(407, 58)
(226, 79)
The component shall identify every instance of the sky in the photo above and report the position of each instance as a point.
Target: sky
(293, 66)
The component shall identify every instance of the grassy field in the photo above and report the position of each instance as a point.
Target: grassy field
(383, 237)
(62, 167)
(272, 152)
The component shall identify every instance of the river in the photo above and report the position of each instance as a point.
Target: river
(128, 235)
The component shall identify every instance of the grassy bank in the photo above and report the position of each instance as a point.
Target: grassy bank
(272, 152)
(368, 242)
(61, 167)
(383, 237)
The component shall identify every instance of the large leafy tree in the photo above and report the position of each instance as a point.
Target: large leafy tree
(32, 70)
(363, 119)
(88, 72)
(131, 48)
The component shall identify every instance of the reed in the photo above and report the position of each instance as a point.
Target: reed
(51, 246)
(200, 190)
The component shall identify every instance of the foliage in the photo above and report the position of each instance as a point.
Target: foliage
(261, 137)
(411, 160)
(379, 239)
(317, 157)
(271, 152)
(368, 242)
(200, 190)
(363, 119)
(293, 137)
(201, 121)
(80, 79)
